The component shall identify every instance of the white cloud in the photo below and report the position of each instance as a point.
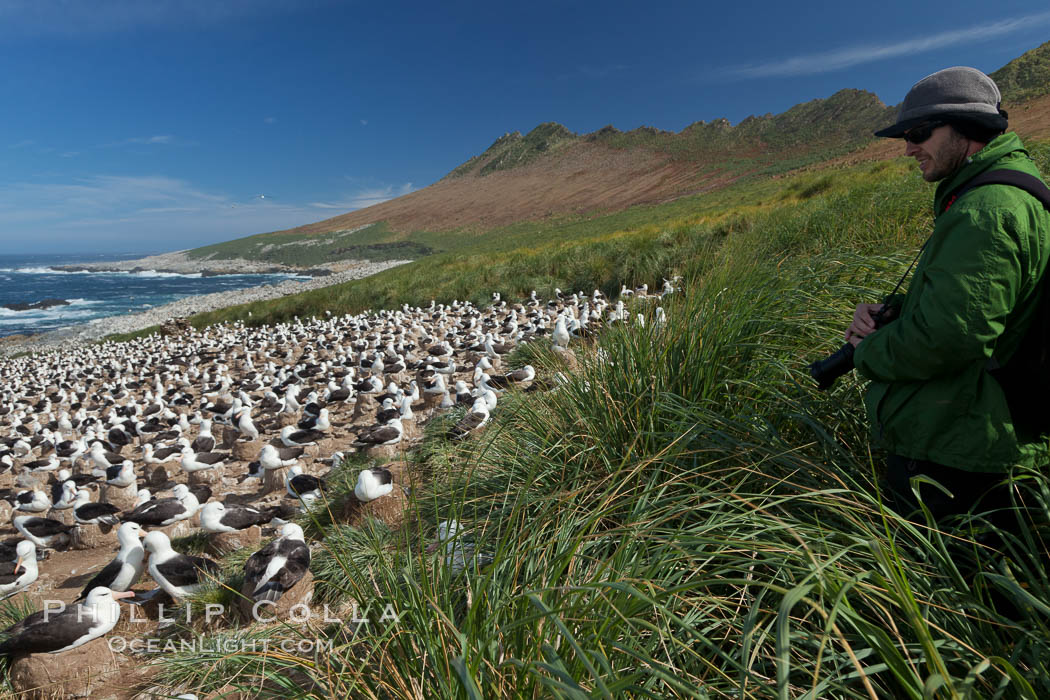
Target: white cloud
(168, 210)
(101, 193)
(366, 198)
(270, 120)
(839, 59)
(364, 122)
(110, 212)
(163, 139)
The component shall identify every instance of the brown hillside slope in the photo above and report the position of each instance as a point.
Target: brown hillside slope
(585, 177)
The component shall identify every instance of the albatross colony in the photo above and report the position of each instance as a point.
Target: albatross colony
(150, 431)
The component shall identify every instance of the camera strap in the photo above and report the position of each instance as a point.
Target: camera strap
(908, 271)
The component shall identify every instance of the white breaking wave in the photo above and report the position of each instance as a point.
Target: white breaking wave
(39, 270)
(46, 271)
(55, 313)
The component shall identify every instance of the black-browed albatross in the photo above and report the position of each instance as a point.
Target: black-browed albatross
(373, 483)
(43, 532)
(278, 566)
(219, 517)
(51, 631)
(16, 575)
(161, 512)
(124, 571)
(179, 575)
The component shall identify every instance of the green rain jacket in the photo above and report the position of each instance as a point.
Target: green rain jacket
(974, 292)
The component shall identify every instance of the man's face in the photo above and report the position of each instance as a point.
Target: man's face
(940, 155)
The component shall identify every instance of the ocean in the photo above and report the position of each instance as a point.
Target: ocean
(28, 279)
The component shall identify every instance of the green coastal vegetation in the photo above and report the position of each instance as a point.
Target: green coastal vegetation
(367, 243)
(686, 517)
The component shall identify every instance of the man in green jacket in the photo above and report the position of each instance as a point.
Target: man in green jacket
(976, 287)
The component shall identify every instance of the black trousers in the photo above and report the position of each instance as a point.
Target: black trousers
(977, 491)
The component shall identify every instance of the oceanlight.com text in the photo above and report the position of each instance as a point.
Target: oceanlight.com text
(203, 645)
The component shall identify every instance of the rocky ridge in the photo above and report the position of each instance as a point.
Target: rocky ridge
(180, 263)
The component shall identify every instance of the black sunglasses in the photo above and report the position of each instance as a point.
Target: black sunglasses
(921, 132)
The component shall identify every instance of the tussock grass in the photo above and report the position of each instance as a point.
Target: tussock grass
(688, 516)
(12, 610)
(244, 658)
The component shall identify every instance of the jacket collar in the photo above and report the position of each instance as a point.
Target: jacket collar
(997, 149)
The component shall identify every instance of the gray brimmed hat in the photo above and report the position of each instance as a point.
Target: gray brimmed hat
(958, 94)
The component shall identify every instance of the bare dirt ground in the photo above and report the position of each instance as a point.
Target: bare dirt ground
(585, 177)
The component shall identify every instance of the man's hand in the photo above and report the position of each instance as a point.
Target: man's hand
(863, 323)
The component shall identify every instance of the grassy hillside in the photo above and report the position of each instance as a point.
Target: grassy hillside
(688, 517)
(808, 132)
(552, 174)
(366, 243)
(1025, 77)
(639, 245)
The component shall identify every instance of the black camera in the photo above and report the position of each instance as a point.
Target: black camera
(840, 362)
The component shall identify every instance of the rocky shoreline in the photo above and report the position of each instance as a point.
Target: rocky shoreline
(36, 305)
(180, 263)
(335, 273)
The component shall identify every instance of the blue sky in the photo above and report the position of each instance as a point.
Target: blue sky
(156, 125)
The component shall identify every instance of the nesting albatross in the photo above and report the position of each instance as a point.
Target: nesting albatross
(52, 631)
(373, 483)
(88, 512)
(165, 511)
(16, 575)
(43, 532)
(124, 571)
(278, 566)
(218, 517)
(179, 575)
(303, 486)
